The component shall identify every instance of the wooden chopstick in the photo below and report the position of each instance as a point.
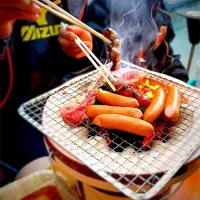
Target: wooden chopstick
(80, 43)
(96, 59)
(54, 12)
(78, 40)
(59, 12)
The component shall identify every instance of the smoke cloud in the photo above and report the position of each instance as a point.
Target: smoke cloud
(132, 21)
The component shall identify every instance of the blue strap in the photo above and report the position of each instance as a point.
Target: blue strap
(9, 167)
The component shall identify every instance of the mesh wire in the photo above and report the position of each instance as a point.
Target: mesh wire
(120, 161)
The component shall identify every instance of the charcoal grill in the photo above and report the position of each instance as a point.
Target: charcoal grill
(139, 175)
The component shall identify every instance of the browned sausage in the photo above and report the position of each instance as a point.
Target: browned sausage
(172, 105)
(142, 99)
(124, 123)
(95, 110)
(112, 99)
(156, 107)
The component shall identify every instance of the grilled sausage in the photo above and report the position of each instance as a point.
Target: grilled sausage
(124, 123)
(112, 99)
(156, 107)
(172, 105)
(142, 99)
(95, 110)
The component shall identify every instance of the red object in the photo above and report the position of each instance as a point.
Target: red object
(108, 140)
(1, 176)
(75, 114)
(126, 92)
(83, 10)
(158, 40)
(162, 130)
(161, 36)
(163, 30)
(142, 99)
(126, 86)
(11, 77)
(147, 142)
(2, 57)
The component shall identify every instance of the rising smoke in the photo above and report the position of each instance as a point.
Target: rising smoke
(132, 21)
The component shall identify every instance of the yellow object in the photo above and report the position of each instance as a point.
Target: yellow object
(146, 83)
(149, 94)
(152, 87)
(141, 86)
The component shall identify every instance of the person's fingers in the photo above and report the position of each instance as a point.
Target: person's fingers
(32, 7)
(12, 14)
(84, 35)
(71, 52)
(75, 29)
(77, 48)
(88, 44)
(76, 52)
(67, 43)
(79, 55)
(67, 34)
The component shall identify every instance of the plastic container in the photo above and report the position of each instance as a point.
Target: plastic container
(192, 82)
(36, 186)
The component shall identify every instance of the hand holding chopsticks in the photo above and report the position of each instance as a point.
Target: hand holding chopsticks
(67, 38)
(94, 60)
(56, 10)
(80, 43)
(59, 12)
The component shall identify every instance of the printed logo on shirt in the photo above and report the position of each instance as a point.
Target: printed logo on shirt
(33, 32)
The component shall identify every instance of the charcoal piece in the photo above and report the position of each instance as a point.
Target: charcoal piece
(121, 140)
(106, 87)
(97, 102)
(93, 130)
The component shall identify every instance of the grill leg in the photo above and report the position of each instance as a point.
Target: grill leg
(190, 58)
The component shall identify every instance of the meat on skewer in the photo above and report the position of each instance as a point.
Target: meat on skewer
(114, 48)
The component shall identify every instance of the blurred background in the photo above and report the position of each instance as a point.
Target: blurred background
(181, 44)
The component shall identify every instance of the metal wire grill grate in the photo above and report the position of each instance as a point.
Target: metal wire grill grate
(120, 160)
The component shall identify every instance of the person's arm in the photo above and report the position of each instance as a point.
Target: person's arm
(168, 62)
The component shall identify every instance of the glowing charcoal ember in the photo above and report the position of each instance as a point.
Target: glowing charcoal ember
(147, 88)
(146, 83)
(147, 142)
(141, 86)
(150, 94)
